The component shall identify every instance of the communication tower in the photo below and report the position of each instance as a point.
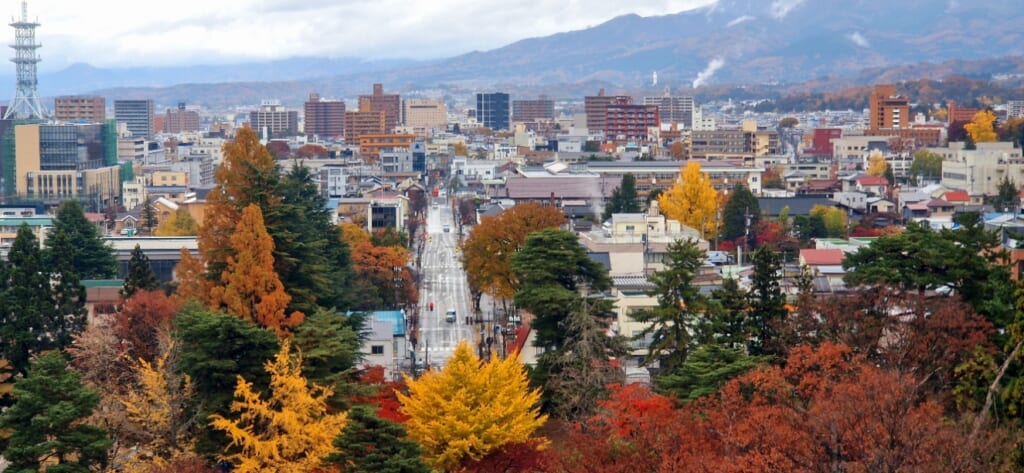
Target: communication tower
(25, 104)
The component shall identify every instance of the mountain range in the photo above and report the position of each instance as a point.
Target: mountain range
(753, 42)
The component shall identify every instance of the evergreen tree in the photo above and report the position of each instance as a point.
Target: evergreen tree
(68, 315)
(767, 303)
(670, 325)
(741, 204)
(729, 326)
(90, 257)
(706, 370)
(1006, 198)
(215, 350)
(140, 274)
(369, 444)
(624, 198)
(46, 425)
(330, 347)
(149, 218)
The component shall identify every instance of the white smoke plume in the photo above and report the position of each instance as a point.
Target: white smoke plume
(708, 72)
(859, 40)
(780, 8)
(738, 20)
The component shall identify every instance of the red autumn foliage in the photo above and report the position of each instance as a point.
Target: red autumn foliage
(510, 458)
(384, 397)
(141, 318)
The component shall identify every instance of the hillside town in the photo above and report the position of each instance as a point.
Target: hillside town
(412, 280)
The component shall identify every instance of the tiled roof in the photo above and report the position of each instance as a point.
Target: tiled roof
(828, 257)
(872, 181)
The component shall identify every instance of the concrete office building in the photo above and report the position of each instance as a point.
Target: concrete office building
(888, 110)
(180, 120)
(390, 104)
(137, 115)
(492, 110)
(274, 119)
(80, 109)
(324, 118)
(424, 115)
(358, 124)
(533, 110)
(596, 108)
(673, 109)
(626, 122)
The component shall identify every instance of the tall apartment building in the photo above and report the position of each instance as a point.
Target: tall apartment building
(275, 119)
(362, 123)
(180, 120)
(390, 104)
(625, 121)
(137, 115)
(596, 108)
(80, 108)
(673, 109)
(1015, 108)
(959, 113)
(888, 109)
(492, 110)
(533, 110)
(744, 143)
(324, 118)
(424, 114)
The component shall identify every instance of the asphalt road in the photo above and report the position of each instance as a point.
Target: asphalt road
(444, 284)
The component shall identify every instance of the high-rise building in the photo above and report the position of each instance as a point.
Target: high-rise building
(180, 120)
(80, 108)
(1015, 108)
(596, 108)
(324, 118)
(533, 110)
(137, 115)
(273, 118)
(492, 110)
(888, 109)
(423, 115)
(390, 104)
(358, 124)
(627, 122)
(673, 109)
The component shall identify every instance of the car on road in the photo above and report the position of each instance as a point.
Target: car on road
(447, 228)
(450, 316)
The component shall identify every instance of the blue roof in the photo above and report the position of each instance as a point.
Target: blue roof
(396, 317)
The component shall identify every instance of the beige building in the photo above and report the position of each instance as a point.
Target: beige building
(424, 115)
(979, 171)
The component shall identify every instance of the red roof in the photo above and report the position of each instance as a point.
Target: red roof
(938, 203)
(872, 181)
(956, 196)
(95, 217)
(831, 257)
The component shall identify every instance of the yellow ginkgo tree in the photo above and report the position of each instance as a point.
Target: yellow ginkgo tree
(693, 201)
(290, 431)
(469, 409)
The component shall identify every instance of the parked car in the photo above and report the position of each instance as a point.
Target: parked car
(450, 316)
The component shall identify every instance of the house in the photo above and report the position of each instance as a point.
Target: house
(378, 347)
(874, 185)
(827, 263)
(878, 205)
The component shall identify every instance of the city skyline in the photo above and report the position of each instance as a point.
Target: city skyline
(194, 32)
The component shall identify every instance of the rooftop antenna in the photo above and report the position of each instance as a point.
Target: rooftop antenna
(25, 104)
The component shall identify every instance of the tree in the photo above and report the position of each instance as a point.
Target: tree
(833, 218)
(676, 151)
(728, 324)
(487, 251)
(1007, 197)
(149, 217)
(693, 201)
(669, 327)
(459, 149)
(180, 223)
(330, 347)
(66, 315)
(311, 151)
(251, 289)
(876, 163)
(215, 349)
(981, 129)
(142, 318)
(469, 409)
(624, 198)
(926, 164)
(706, 370)
(140, 274)
(45, 421)
(767, 303)
(741, 212)
(369, 444)
(279, 149)
(375, 266)
(288, 431)
(91, 258)
(190, 276)
(789, 122)
(553, 269)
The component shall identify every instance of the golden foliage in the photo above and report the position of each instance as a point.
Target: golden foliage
(693, 201)
(835, 220)
(180, 223)
(289, 432)
(250, 289)
(876, 163)
(468, 410)
(982, 127)
(353, 234)
(190, 273)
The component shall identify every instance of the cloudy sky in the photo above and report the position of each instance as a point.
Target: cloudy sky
(145, 32)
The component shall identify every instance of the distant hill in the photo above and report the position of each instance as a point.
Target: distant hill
(822, 44)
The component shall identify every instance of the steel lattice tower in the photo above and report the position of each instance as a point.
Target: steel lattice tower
(25, 104)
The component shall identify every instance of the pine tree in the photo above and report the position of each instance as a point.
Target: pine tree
(91, 258)
(251, 290)
(741, 205)
(68, 315)
(729, 326)
(624, 198)
(46, 421)
(369, 444)
(149, 218)
(767, 304)
(330, 347)
(288, 431)
(468, 410)
(140, 274)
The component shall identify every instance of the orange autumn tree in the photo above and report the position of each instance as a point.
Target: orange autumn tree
(191, 276)
(250, 289)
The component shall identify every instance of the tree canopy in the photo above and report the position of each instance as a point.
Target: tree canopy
(624, 198)
(693, 201)
(91, 258)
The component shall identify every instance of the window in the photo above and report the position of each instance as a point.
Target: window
(377, 349)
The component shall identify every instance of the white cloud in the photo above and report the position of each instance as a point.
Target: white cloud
(738, 20)
(859, 39)
(708, 72)
(780, 8)
(133, 32)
